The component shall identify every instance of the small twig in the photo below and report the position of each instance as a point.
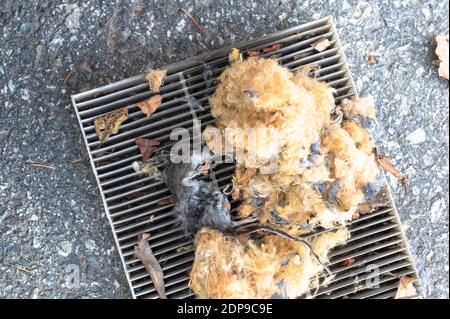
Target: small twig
(77, 160)
(68, 76)
(38, 165)
(109, 20)
(193, 20)
(23, 269)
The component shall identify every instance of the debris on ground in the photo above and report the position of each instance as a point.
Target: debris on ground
(372, 59)
(442, 53)
(234, 56)
(146, 168)
(149, 106)
(135, 195)
(321, 45)
(185, 248)
(348, 262)
(166, 201)
(78, 160)
(137, 9)
(155, 79)
(273, 48)
(192, 19)
(109, 124)
(144, 253)
(40, 50)
(386, 163)
(406, 288)
(253, 54)
(40, 165)
(146, 147)
(68, 76)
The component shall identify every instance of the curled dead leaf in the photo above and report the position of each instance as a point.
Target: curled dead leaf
(321, 45)
(149, 106)
(385, 162)
(146, 147)
(155, 79)
(109, 124)
(442, 53)
(273, 48)
(144, 253)
(406, 288)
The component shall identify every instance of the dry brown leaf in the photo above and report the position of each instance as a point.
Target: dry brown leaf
(155, 79)
(149, 106)
(386, 163)
(146, 147)
(273, 48)
(253, 54)
(321, 45)
(110, 124)
(372, 59)
(442, 53)
(166, 201)
(406, 288)
(144, 252)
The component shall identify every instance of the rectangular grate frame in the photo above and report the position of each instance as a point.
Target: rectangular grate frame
(131, 200)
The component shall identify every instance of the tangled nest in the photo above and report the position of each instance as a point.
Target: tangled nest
(324, 168)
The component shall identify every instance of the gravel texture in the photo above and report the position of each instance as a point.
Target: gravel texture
(52, 221)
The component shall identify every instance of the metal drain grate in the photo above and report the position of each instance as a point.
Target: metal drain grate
(131, 200)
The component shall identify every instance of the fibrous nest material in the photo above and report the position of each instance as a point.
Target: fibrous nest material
(311, 167)
(270, 267)
(324, 167)
(155, 79)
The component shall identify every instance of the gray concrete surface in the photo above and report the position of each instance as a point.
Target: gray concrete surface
(52, 219)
